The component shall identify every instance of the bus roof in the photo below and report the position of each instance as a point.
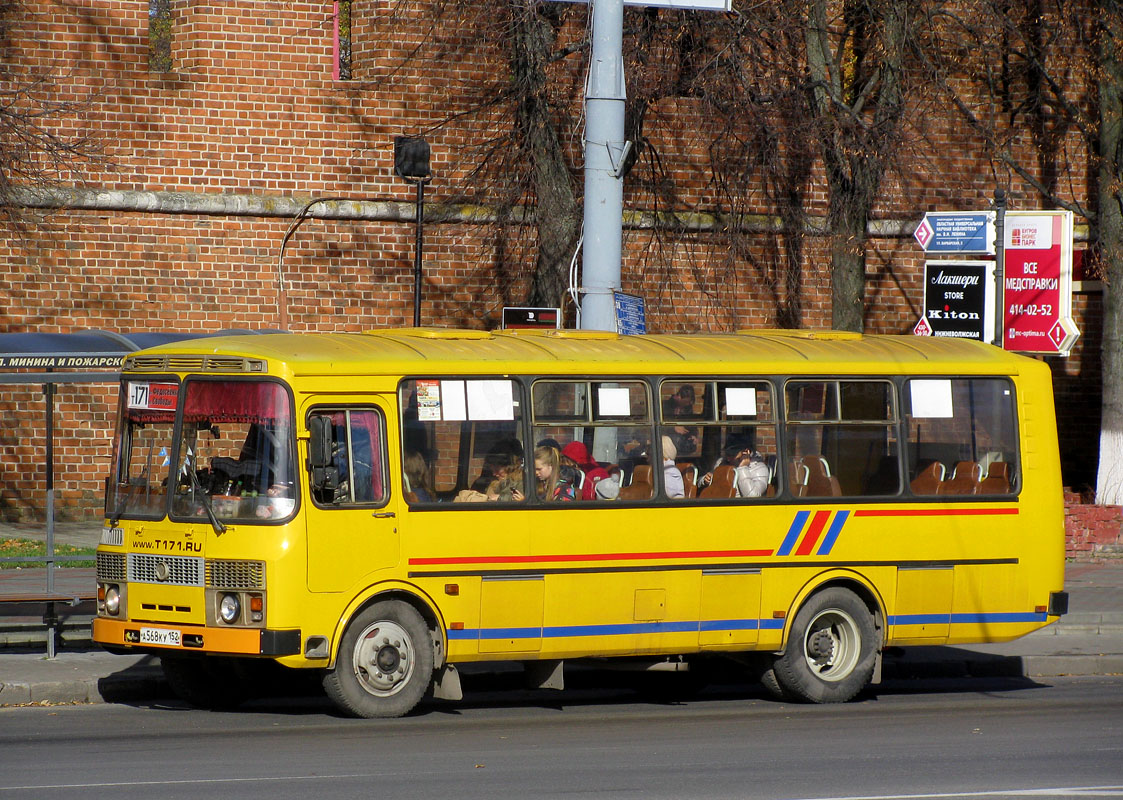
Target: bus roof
(462, 351)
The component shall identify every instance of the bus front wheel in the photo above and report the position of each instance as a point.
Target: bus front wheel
(385, 662)
(831, 651)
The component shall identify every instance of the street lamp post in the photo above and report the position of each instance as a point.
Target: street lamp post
(411, 164)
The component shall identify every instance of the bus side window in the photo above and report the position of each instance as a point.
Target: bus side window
(733, 424)
(463, 440)
(842, 438)
(603, 433)
(962, 435)
(346, 457)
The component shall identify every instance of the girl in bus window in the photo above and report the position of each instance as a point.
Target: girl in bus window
(550, 483)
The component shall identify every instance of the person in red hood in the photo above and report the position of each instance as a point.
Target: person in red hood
(594, 473)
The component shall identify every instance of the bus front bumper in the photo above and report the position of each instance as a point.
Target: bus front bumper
(135, 636)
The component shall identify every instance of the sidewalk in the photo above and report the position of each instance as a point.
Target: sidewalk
(1087, 641)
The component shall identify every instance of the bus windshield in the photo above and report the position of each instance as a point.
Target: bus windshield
(143, 450)
(234, 458)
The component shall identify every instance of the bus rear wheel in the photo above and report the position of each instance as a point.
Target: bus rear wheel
(831, 651)
(385, 662)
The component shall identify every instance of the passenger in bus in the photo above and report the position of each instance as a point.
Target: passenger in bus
(608, 488)
(495, 468)
(736, 449)
(551, 484)
(680, 405)
(508, 489)
(672, 478)
(753, 475)
(593, 471)
(419, 481)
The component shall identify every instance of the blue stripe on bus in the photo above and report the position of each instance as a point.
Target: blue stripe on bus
(621, 629)
(729, 625)
(710, 626)
(979, 618)
(833, 532)
(793, 533)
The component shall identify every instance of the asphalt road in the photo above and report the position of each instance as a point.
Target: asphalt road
(1000, 738)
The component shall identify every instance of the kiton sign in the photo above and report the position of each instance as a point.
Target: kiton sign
(955, 299)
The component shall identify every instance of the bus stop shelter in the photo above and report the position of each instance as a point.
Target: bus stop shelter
(50, 359)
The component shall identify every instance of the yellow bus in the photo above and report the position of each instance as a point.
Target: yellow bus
(382, 507)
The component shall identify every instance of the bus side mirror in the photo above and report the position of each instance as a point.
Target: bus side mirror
(319, 442)
(321, 461)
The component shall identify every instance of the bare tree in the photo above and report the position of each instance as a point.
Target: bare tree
(34, 152)
(856, 52)
(1109, 478)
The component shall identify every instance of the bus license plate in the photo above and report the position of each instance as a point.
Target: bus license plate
(162, 636)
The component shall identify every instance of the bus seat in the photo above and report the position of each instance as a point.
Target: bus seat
(997, 480)
(411, 498)
(641, 473)
(689, 478)
(820, 481)
(822, 486)
(723, 484)
(963, 479)
(928, 480)
(798, 474)
(689, 472)
(636, 490)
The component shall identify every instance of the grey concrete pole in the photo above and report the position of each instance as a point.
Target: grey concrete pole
(604, 150)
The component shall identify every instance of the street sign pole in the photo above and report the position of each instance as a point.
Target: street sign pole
(999, 255)
(604, 156)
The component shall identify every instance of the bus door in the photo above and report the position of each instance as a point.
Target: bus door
(352, 515)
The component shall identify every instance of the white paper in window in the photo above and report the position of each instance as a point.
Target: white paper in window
(740, 401)
(428, 401)
(614, 402)
(931, 399)
(490, 400)
(452, 393)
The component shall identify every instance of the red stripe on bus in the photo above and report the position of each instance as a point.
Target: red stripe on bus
(591, 557)
(813, 530)
(933, 512)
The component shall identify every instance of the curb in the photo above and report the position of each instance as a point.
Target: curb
(111, 689)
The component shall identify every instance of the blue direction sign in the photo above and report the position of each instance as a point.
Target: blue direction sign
(956, 232)
(630, 317)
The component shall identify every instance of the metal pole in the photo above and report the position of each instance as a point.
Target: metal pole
(999, 265)
(417, 254)
(49, 394)
(604, 156)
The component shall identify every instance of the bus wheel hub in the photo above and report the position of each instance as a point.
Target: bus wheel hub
(383, 658)
(820, 646)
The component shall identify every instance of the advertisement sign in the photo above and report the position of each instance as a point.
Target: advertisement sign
(958, 300)
(1037, 283)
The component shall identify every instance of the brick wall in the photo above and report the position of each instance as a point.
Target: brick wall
(250, 107)
(1092, 532)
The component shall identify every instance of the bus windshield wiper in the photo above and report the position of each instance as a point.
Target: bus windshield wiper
(189, 468)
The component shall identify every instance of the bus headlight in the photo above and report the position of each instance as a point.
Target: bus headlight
(229, 608)
(112, 601)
